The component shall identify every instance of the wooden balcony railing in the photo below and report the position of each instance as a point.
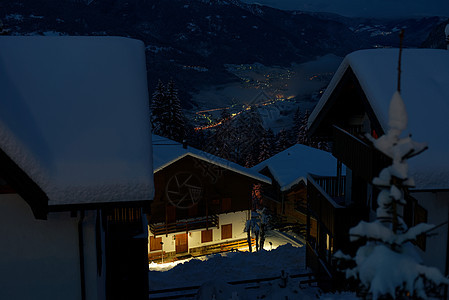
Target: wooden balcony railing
(184, 225)
(321, 205)
(335, 187)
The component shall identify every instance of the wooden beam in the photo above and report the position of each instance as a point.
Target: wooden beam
(24, 186)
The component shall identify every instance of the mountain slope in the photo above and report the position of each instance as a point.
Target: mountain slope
(191, 40)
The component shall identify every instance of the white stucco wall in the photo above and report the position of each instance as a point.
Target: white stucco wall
(237, 219)
(437, 206)
(39, 259)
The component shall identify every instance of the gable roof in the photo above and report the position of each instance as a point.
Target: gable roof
(166, 152)
(74, 117)
(292, 165)
(425, 90)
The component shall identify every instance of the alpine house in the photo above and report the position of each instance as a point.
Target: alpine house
(201, 202)
(355, 104)
(289, 170)
(75, 151)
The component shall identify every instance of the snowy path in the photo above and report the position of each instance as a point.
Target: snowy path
(213, 272)
(284, 253)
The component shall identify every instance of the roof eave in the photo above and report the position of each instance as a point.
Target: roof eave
(33, 195)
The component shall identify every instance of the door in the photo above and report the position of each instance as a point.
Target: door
(181, 243)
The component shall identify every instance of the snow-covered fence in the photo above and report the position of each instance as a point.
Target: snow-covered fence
(191, 291)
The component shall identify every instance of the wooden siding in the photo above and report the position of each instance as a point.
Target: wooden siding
(184, 225)
(360, 157)
(331, 222)
(228, 192)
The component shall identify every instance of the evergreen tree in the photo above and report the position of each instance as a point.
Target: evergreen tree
(157, 106)
(166, 114)
(282, 141)
(271, 140)
(250, 162)
(247, 136)
(294, 132)
(175, 126)
(264, 148)
(223, 139)
(303, 132)
(387, 266)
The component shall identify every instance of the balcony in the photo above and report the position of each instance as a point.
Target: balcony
(184, 225)
(326, 200)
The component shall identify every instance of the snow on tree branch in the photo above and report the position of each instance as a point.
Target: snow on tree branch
(388, 266)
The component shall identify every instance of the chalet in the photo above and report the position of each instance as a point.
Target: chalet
(355, 103)
(201, 201)
(76, 172)
(287, 195)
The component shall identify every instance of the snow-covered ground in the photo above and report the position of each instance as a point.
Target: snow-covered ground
(213, 272)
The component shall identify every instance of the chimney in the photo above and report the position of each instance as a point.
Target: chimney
(446, 31)
(184, 144)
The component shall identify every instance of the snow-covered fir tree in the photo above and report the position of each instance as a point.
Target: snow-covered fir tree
(294, 132)
(303, 132)
(250, 161)
(248, 133)
(257, 227)
(166, 113)
(265, 149)
(157, 105)
(282, 142)
(387, 266)
(176, 128)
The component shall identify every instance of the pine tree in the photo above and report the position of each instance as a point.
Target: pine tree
(175, 127)
(296, 126)
(282, 141)
(223, 139)
(265, 151)
(157, 107)
(247, 135)
(387, 267)
(166, 114)
(303, 133)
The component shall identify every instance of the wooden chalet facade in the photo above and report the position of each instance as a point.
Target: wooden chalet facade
(71, 196)
(355, 104)
(288, 170)
(201, 202)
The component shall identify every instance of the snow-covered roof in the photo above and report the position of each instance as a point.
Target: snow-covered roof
(425, 90)
(292, 165)
(74, 116)
(166, 152)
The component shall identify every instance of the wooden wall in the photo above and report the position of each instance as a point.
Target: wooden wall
(223, 191)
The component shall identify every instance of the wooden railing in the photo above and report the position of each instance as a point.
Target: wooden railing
(323, 275)
(332, 185)
(184, 225)
(333, 224)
